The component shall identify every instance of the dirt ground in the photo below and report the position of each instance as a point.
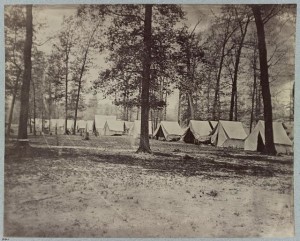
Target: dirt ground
(69, 187)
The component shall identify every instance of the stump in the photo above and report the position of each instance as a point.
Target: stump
(86, 136)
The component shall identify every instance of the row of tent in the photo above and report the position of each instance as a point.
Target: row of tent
(59, 125)
(232, 134)
(218, 133)
(225, 134)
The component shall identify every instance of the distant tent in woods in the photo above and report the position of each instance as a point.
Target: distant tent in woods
(81, 125)
(135, 130)
(229, 134)
(168, 130)
(113, 127)
(213, 124)
(100, 121)
(40, 124)
(128, 125)
(89, 125)
(256, 139)
(70, 124)
(289, 128)
(197, 132)
(57, 125)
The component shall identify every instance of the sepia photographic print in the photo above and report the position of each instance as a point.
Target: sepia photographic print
(149, 120)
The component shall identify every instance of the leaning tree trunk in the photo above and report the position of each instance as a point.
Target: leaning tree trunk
(144, 138)
(264, 81)
(81, 75)
(22, 132)
(233, 103)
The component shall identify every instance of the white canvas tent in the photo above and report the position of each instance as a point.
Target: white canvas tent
(70, 124)
(89, 125)
(168, 130)
(57, 124)
(113, 127)
(135, 129)
(289, 128)
(38, 124)
(229, 134)
(256, 139)
(99, 123)
(127, 126)
(213, 124)
(197, 132)
(81, 125)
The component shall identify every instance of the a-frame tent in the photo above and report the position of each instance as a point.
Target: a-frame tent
(89, 125)
(213, 124)
(256, 139)
(99, 123)
(127, 126)
(169, 131)
(197, 132)
(229, 134)
(80, 125)
(135, 129)
(57, 125)
(113, 127)
(289, 128)
(70, 125)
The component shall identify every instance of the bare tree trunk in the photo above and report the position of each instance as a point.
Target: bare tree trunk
(22, 132)
(66, 89)
(264, 81)
(165, 108)
(144, 138)
(233, 103)
(11, 111)
(191, 106)
(179, 108)
(217, 88)
(252, 104)
(235, 107)
(81, 75)
(208, 98)
(254, 89)
(34, 108)
(66, 104)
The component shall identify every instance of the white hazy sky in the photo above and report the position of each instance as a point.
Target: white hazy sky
(52, 17)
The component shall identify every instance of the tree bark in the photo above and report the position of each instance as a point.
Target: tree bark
(254, 89)
(191, 106)
(252, 101)
(165, 107)
(81, 75)
(144, 138)
(66, 98)
(217, 88)
(179, 108)
(264, 81)
(22, 132)
(34, 108)
(233, 103)
(11, 111)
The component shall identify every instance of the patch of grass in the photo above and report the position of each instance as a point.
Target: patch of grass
(212, 193)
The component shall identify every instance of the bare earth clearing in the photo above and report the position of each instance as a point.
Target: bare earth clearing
(101, 188)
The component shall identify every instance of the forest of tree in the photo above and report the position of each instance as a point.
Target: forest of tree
(230, 67)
